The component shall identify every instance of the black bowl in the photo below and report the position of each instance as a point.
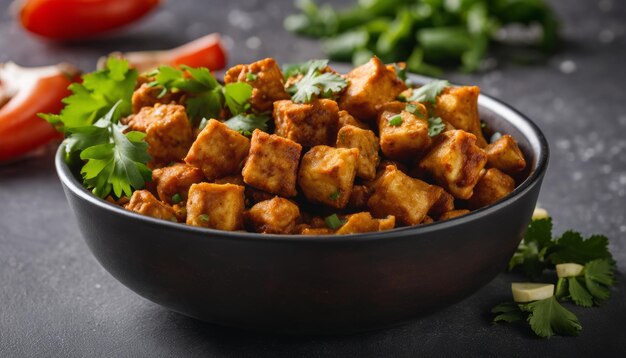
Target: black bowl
(314, 284)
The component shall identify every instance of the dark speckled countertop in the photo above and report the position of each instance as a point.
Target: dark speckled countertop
(56, 300)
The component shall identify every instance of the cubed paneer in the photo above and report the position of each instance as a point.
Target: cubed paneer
(444, 203)
(143, 202)
(216, 206)
(272, 164)
(504, 154)
(218, 150)
(266, 80)
(453, 214)
(369, 86)
(459, 107)
(346, 118)
(364, 222)
(358, 197)
(327, 174)
(148, 96)
(408, 199)
(455, 162)
(309, 124)
(173, 182)
(274, 216)
(493, 186)
(168, 132)
(366, 142)
(403, 135)
(316, 231)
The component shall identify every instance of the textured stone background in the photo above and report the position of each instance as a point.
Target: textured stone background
(55, 299)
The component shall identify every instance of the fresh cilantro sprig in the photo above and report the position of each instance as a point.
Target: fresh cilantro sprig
(247, 123)
(428, 94)
(314, 83)
(590, 287)
(114, 161)
(546, 317)
(96, 95)
(207, 96)
(294, 69)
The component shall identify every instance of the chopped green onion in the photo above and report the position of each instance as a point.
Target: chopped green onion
(251, 76)
(435, 126)
(176, 198)
(204, 218)
(395, 120)
(333, 221)
(335, 195)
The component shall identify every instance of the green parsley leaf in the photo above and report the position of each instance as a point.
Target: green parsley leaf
(547, 317)
(400, 71)
(598, 276)
(237, 95)
(435, 126)
(530, 254)
(96, 95)
(315, 83)
(395, 121)
(508, 312)
(251, 77)
(571, 247)
(303, 68)
(578, 293)
(333, 222)
(246, 124)
(429, 91)
(117, 165)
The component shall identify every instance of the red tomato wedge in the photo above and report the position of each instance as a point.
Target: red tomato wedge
(30, 91)
(79, 19)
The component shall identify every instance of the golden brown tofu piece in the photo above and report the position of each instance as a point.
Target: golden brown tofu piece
(444, 203)
(346, 118)
(359, 196)
(459, 107)
(367, 143)
(272, 164)
(316, 231)
(274, 216)
(455, 162)
(143, 202)
(408, 199)
(147, 96)
(404, 137)
(266, 80)
(216, 206)
(493, 186)
(369, 86)
(327, 174)
(427, 220)
(504, 154)
(168, 132)
(173, 182)
(218, 150)
(309, 124)
(453, 214)
(364, 222)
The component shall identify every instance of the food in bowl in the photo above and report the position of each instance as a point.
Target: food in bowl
(306, 150)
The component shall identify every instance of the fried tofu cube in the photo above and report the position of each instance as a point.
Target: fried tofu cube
(406, 136)
(266, 80)
(272, 164)
(143, 202)
(459, 107)
(408, 199)
(173, 182)
(453, 214)
(444, 203)
(455, 162)
(327, 174)
(168, 131)
(148, 96)
(316, 231)
(493, 186)
(218, 150)
(216, 206)
(274, 216)
(504, 154)
(369, 86)
(309, 124)
(364, 222)
(346, 118)
(367, 143)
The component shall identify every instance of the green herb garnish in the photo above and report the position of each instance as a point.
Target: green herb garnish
(204, 218)
(333, 222)
(335, 194)
(428, 92)
(395, 121)
(315, 83)
(177, 198)
(251, 77)
(435, 126)
(247, 123)
(294, 69)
